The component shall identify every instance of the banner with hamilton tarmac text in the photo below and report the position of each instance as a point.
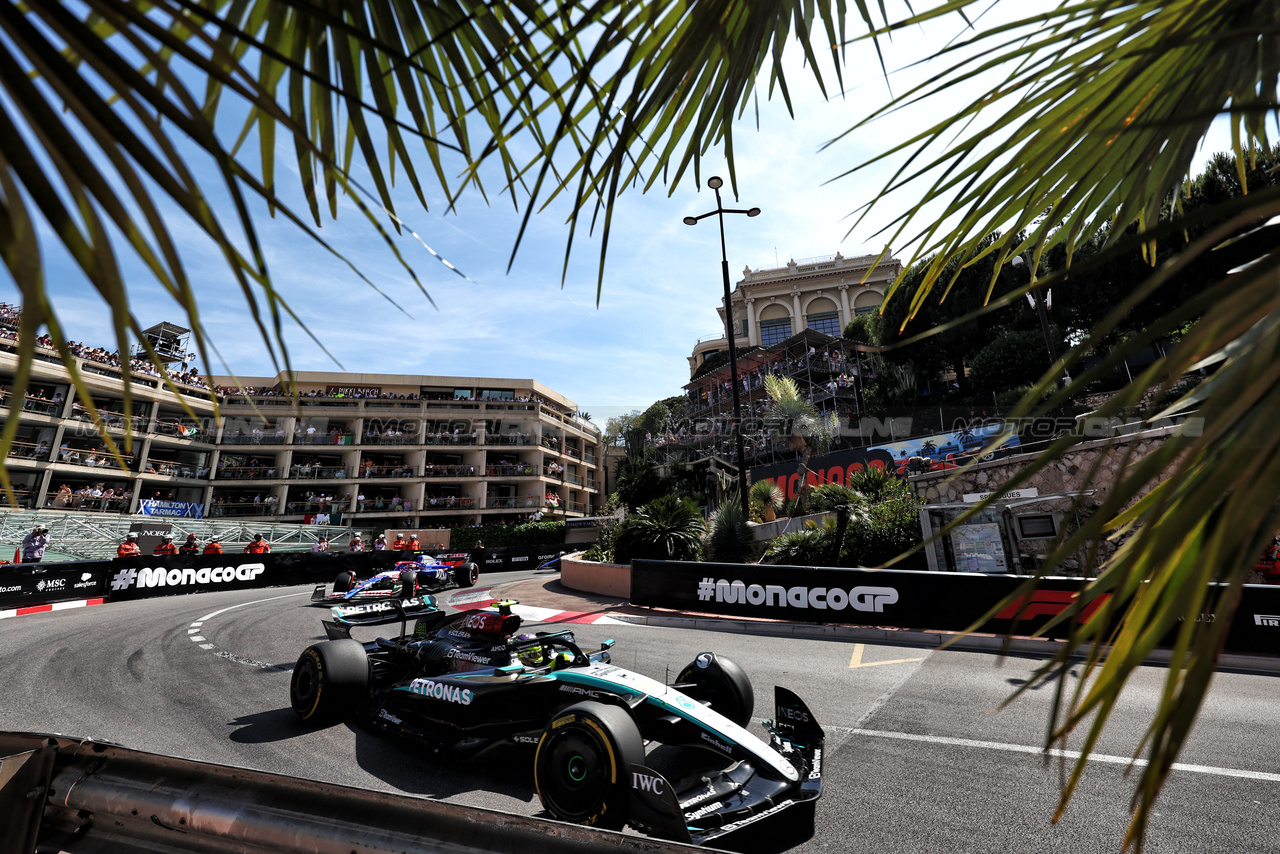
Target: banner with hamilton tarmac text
(906, 599)
(41, 583)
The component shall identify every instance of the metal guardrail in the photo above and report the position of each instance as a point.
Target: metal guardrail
(95, 535)
(74, 795)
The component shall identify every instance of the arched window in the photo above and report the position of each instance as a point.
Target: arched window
(823, 316)
(775, 325)
(867, 302)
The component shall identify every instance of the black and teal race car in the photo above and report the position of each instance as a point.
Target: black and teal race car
(463, 683)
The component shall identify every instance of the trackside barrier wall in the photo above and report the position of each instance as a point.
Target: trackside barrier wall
(72, 795)
(41, 583)
(23, 585)
(927, 601)
(510, 558)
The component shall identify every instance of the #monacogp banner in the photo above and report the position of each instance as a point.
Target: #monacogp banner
(906, 599)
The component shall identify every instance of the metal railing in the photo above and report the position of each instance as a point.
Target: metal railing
(510, 503)
(87, 503)
(387, 471)
(323, 439)
(397, 438)
(243, 508)
(511, 470)
(29, 451)
(508, 439)
(247, 472)
(93, 535)
(449, 439)
(433, 470)
(272, 438)
(91, 459)
(437, 503)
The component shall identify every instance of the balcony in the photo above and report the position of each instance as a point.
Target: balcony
(390, 437)
(257, 437)
(317, 472)
(508, 439)
(433, 470)
(372, 471)
(247, 473)
(37, 405)
(30, 451)
(90, 503)
(445, 503)
(449, 439)
(523, 502)
(300, 438)
(510, 470)
(242, 508)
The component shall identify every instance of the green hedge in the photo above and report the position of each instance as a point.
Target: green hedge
(527, 534)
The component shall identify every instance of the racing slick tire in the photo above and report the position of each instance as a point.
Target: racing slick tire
(329, 681)
(466, 574)
(582, 770)
(408, 584)
(721, 684)
(343, 582)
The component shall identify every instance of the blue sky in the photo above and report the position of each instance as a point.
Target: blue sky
(661, 283)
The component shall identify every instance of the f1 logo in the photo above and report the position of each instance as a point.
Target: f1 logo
(1049, 603)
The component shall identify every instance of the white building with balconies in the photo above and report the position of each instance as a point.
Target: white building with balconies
(823, 294)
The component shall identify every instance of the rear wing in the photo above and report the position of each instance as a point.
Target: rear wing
(381, 613)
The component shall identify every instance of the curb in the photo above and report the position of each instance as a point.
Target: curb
(52, 606)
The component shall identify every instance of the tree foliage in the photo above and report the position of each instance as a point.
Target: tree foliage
(667, 528)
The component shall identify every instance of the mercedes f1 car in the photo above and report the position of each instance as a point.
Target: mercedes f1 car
(460, 684)
(408, 579)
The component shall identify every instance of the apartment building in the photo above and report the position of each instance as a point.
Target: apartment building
(375, 450)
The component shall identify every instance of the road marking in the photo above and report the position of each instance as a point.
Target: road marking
(1054, 752)
(193, 634)
(855, 660)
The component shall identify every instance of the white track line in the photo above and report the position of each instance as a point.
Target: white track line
(194, 635)
(1056, 753)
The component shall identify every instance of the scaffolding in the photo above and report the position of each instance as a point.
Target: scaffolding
(169, 341)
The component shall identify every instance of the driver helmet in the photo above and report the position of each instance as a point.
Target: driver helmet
(531, 656)
(131, 536)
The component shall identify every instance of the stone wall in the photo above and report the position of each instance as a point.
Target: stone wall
(1074, 472)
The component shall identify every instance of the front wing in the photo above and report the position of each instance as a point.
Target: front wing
(727, 802)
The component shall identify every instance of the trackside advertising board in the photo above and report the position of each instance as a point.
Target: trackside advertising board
(828, 468)
(144, 577)
(39, 584)
(926, 601)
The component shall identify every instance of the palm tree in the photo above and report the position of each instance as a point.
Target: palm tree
(667, 528)
(1101, 118)
(807, 431)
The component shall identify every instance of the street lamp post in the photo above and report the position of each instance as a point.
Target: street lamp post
(715, 183)
(1036, 296)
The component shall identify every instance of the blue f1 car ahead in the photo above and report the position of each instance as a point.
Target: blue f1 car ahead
(409, 578)
(460, 684)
